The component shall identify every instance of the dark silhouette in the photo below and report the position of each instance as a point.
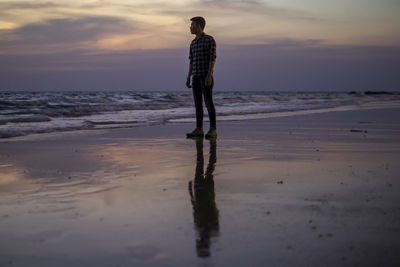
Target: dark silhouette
(202, 196)
(200, 78)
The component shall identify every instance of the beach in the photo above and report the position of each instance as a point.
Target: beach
(317, 189)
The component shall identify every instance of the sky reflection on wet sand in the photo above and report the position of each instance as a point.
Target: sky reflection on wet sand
(276, 196)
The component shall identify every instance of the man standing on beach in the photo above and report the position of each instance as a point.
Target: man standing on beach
(202, 60)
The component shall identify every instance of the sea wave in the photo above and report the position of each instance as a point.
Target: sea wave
(23, 113)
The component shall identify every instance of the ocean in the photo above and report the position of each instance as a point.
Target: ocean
(24, 113)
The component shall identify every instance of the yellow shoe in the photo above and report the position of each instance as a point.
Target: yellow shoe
(212, 134)
(198, 132)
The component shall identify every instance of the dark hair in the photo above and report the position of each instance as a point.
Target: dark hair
(200, 20)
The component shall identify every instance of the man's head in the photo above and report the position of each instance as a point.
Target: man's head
(198, 24)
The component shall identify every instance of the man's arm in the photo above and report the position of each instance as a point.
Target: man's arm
(189, 75)
(190, 68)
(213, 55)
(211, 67)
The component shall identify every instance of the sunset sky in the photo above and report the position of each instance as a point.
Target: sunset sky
(143, 45)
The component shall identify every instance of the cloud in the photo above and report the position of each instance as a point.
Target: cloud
(28, 5)
(221, 8)
(63, 32)
(73, 30)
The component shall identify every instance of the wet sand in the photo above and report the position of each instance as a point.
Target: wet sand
(306, 190)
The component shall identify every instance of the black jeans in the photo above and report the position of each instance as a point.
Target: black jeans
(199, 90)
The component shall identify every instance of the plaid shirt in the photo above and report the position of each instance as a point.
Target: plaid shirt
(202, 51)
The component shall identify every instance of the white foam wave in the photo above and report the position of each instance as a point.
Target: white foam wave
(23, 113)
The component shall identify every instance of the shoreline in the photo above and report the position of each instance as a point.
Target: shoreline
(221, 118)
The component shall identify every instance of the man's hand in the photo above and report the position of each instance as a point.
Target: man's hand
(208, 79)
(188, 85)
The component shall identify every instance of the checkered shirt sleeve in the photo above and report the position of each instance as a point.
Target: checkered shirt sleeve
(202, 51)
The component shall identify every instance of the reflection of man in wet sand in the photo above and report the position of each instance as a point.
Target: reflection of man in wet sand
(202, 195)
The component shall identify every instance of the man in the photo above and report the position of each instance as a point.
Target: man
(202, 60)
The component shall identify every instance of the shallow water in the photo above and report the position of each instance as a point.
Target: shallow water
(291, 191)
